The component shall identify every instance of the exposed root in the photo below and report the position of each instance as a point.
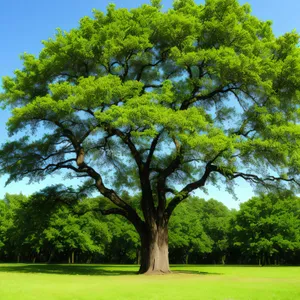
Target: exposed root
(157, 272)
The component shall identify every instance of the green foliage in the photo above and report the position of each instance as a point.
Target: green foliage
(216, 221)
(51, 220)
(186, 230)
(212, 76)
(268, 226)
(9, 232)
(125, 242)
(158, 104)
(57, 221)
(201, 227)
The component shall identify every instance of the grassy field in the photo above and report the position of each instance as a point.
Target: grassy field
(80, 282)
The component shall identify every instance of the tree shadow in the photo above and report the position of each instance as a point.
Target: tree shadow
(190, 269)
(92, 270)
(191, 272)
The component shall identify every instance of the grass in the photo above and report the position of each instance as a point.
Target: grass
(81, 282)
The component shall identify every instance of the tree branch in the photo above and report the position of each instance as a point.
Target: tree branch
(184, 193)
(163, 57)
(164, 174)
(186, 103)
(152, 149)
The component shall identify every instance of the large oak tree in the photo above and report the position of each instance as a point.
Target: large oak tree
(158, 103)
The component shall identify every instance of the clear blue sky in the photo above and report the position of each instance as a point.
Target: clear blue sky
(25, 23)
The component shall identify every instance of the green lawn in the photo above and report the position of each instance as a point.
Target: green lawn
(77, 282)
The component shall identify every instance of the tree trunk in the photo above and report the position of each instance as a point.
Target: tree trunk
(138, 256)
(187, 257)
(73, 257)
(89, 260)
(223, 259)
(50, 257)
(154, 251)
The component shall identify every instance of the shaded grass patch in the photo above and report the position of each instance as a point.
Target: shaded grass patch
(91, 270)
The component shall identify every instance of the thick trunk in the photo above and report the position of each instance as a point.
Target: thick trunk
(154, 252)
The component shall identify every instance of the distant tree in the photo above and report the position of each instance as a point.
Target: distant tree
(186, 230)
(216, 219)
(10, 247)
(31, 218)
(125, 246)
(70, 233)
(2, 224)
(268, 227)
(55, 220)
(158, 103)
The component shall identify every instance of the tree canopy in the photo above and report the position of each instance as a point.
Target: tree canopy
(158, 104)
(268, 226)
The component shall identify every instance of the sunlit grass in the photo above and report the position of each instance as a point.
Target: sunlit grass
(77, 282)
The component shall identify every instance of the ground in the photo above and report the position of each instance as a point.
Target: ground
(82, 282)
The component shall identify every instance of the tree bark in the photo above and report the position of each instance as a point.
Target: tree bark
(223, 259)
(154, 251)
(138, 256)
(50, 257)
(187, 257)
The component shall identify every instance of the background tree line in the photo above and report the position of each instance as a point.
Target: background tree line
(63, 225)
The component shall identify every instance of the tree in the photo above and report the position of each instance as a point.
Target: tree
(125, 244)
(268, 226)
(70, 233)
(186, 230)
(30, 218)
(200, 227)
(216, 219)
(54, 220)
(158, 103)
(10, 247)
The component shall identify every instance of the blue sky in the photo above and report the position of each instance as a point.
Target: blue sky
(24, 24)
